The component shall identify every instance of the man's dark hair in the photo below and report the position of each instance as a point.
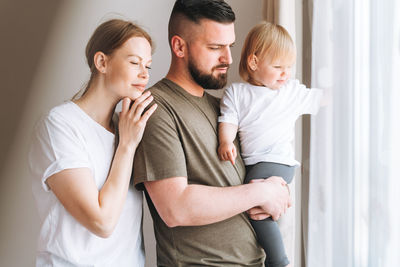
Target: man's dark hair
(195, 10)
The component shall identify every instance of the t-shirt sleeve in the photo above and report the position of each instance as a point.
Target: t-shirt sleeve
(160, 154)
(229, 110)
(55, 147)
(310, 99)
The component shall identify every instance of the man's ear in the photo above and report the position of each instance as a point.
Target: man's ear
(252, 62)
(178, 46)
(100, 61)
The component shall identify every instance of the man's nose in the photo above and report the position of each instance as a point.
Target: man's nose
(226, 58)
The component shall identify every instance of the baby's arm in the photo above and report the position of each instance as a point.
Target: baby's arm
(226, 149)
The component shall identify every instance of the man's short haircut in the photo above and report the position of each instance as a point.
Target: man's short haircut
(196, 10)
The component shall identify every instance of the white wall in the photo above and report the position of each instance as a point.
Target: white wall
(46, 66)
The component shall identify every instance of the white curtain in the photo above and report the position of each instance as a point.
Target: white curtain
(354, 213)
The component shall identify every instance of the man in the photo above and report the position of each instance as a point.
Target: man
(196, 200)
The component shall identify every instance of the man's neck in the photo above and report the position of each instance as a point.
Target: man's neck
(184, 80)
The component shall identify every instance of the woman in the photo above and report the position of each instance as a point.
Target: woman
(90, 216)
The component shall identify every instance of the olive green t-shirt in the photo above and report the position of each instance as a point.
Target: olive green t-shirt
(180, 140)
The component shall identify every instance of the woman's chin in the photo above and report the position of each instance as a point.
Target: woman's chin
(135, 95)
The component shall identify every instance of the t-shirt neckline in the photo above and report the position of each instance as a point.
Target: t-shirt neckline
(183, 91)
(98, 125)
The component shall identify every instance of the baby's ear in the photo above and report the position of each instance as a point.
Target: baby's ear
(252, 61)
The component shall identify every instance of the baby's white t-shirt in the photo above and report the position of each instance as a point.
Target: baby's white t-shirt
(266, 118)
(68, 138)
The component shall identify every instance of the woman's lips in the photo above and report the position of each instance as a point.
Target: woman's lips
(141, 87)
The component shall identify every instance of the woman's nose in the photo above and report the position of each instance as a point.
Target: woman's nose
(144, 72)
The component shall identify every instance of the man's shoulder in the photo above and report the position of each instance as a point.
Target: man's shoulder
(159, 88)
(167, 101)
(164, 93)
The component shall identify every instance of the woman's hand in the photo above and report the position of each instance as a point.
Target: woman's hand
(132, 122)
(227, 151)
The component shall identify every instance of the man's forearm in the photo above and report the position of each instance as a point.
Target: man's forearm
(180, 204)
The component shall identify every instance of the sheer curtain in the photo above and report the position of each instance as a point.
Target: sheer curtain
(354, 218)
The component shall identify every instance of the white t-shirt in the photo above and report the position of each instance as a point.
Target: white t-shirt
(266, 118)
(68, 138)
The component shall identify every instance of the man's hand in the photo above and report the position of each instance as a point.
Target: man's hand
(278, 201)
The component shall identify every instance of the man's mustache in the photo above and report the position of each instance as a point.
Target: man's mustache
(221, 66)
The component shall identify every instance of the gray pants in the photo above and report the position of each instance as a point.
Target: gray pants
(268, 234)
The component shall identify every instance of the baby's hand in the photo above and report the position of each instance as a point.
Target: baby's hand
(227, 151)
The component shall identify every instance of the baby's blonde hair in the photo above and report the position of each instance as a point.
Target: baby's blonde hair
(267, 41)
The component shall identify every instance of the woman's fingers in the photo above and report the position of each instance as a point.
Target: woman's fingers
(148, 113)
(139, 100)
(125, 105)
(141, 106)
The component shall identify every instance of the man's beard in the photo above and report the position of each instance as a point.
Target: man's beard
(208, 81)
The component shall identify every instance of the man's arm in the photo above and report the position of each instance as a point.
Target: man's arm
(181, 204)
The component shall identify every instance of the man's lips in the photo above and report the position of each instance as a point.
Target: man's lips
(222, 67)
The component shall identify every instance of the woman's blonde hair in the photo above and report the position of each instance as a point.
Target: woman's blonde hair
(108, 37)
(267, 41)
